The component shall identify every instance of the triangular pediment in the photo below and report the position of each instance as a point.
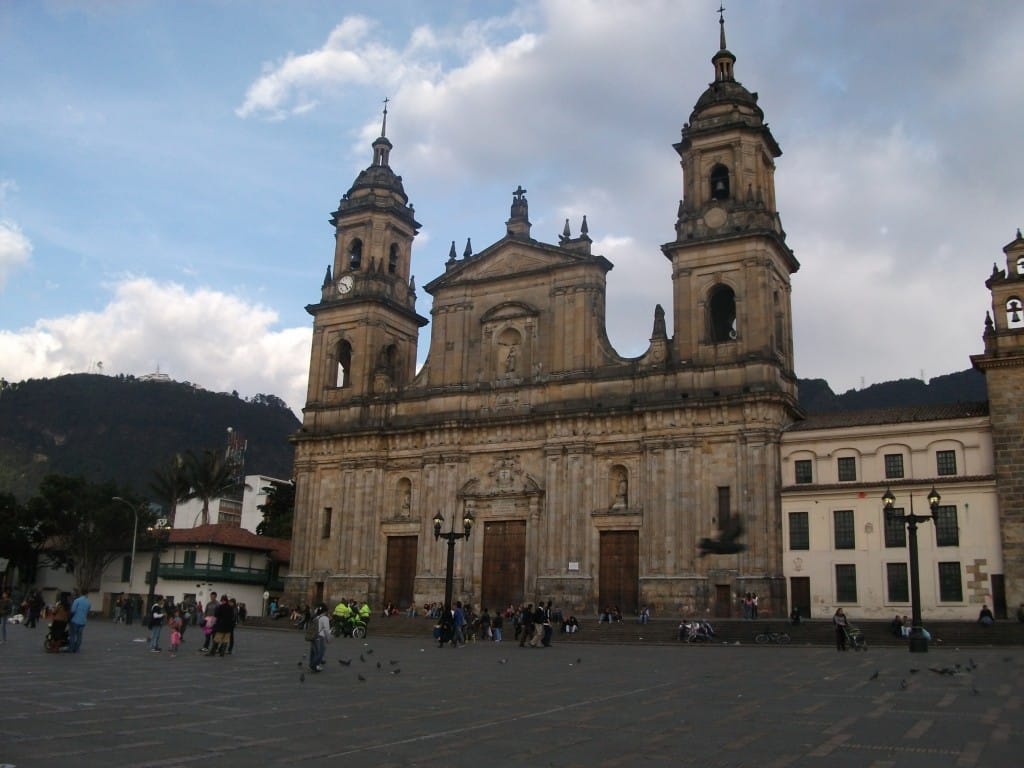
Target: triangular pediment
(510, 258)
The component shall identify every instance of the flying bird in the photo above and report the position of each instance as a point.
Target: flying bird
(727, 543)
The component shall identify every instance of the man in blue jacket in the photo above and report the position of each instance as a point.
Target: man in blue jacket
(80, 608)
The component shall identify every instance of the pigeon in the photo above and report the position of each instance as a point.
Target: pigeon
(361, 678)
(874, 676)
(378, 665)
(299, 664)
(392, 662)
(903, 684)
(579, 661)
(302, 677)
(503, 661)
(396, 671)
(971, 665)
(369, 651)
(345, 662)
(726, 544)
(914, 671)
(362, 658)
(975, 691)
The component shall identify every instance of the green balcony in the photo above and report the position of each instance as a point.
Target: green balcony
(218, 573)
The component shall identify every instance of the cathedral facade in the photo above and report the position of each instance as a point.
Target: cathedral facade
(590, 478)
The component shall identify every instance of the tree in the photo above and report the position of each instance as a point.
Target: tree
(278, 510)
(21, 539)
(85, 529)
(209, 477)
(170, 486)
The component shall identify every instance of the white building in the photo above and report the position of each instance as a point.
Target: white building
(838, 548)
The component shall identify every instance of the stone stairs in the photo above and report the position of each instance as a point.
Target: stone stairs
(727, 631)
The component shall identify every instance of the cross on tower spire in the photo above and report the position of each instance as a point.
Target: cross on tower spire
(384, 123)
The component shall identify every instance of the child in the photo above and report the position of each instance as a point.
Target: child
(175, 624)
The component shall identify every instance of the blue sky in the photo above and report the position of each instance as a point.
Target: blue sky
(167, 169)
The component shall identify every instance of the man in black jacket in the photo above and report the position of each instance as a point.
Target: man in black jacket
(224, 625)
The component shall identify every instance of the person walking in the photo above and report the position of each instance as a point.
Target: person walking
(156, 622)
(321, 631)
(223, 626)
(208, 612)
(841, 624)
(80, 608)
(6, 608)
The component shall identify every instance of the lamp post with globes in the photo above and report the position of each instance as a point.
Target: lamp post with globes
(160, 531)
(135, 537)
(918, 638)
(451, 537)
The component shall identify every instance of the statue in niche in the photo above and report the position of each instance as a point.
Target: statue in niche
(510, 360)
(406, 502)
(621, 490)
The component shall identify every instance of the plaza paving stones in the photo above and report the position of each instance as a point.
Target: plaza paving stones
(117, 704)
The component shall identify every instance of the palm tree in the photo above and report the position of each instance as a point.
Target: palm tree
(209, 477)
(170, 485)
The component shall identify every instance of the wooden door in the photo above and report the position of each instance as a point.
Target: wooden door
(998, 596)
(619, 576)
(400, 571)
(800, 595)
(723, 601)
(504, 566)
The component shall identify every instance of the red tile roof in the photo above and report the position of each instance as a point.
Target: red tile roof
(232, 536)
(879, 416)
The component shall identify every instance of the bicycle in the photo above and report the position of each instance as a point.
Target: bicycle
(779, 638)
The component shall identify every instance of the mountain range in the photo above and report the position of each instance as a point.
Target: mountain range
(122, 428)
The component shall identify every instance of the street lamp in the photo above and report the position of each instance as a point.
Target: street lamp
(918, 639)
(135, 538)
(451, 537)
(160, 531)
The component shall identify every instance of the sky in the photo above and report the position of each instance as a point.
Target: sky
(168, 169)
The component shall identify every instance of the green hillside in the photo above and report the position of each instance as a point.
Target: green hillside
(120, 429)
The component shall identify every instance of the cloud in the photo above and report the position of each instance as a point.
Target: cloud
(15, 249)
(208, 337)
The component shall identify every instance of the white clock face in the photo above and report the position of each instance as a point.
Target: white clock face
(345, 284)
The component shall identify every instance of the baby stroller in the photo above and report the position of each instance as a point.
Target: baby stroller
(696, 632)
(57, 637)
(856, 640)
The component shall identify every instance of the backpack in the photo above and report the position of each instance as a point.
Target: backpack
(312, 629)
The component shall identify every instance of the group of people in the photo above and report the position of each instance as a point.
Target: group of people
(218, 619)
(748, 607)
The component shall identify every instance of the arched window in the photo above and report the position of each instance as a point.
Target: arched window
(393, 259)
(355, 254)
(343, 374)
(722, 314)
(719, 182)
(1014, 313)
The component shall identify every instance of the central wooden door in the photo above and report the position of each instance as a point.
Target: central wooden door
(619, 578)
(504, 567)
(400, 571)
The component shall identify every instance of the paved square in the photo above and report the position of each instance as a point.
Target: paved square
(117, 704)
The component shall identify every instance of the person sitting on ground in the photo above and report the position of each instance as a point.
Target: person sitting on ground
(571, 626)
(794, 616)
(985, 617)
(896, 626)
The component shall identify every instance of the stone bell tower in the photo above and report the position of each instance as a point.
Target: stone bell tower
(365, 326)
(1003, 366)
(730, 262)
